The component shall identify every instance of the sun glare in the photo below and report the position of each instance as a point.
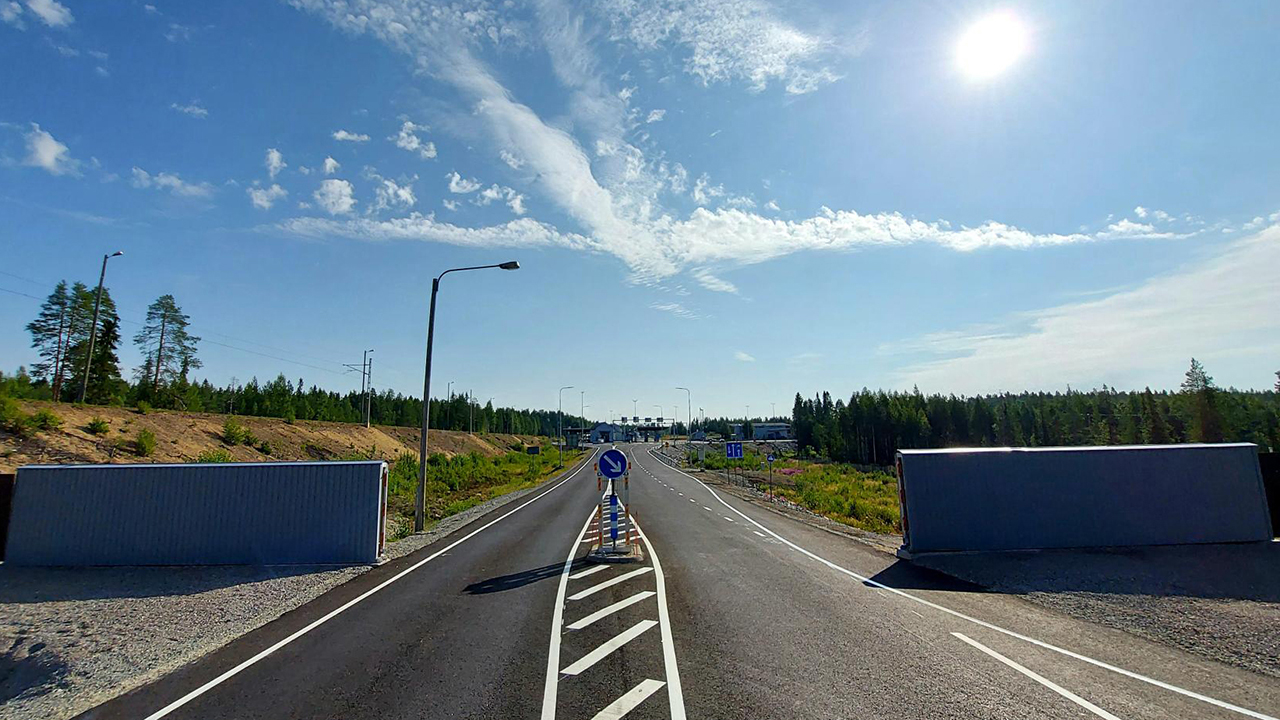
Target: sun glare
(991, 45)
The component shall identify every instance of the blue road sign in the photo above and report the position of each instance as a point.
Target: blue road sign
(771, 457)
(733, 450)
(613, 463)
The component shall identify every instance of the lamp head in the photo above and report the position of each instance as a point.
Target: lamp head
(510, 265)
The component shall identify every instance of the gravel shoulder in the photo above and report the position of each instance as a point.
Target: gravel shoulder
(72, 638)
(1220, 602)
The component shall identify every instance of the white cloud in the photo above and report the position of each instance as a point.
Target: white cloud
(726, 40)
(513, 199)
(743, 357)
(193, 109)
(461, 185)
(102, 71)
(347, 136)
(274, 162)
(63, 50)
(171, 182)
(1127, 229)
(676, 309)
(703, 190)
(331, 166)
(1140, 211)
(408, 139)
(655, 116)
(151, 9)
(521, 232)
(11, 13)
(511, 160)
(451, 204)
(45, 152)
(772, 205)
(51, 12)
(1214, 308)
(389, 194)
(304, 170)
(264, 198)
(337, 197)
(711, 282)
(177, 32)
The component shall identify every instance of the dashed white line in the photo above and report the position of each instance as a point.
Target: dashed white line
(627, 702)
(726, 517)
(759, 533)
(609, 646)
(704, 507)
(588, 571)
(607, 611)
(610, 583)
(990, 626)
(1040, 679)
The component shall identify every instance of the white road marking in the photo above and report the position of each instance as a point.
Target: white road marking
(692, 500)
(610, 583)
(990, 626)
(588, 571)
(675, 695)
(626, 703)
(759, 533)
(350, 604)
(609, 646)
(726, 517)
(552, 683)
(704, 507)
(1040, 679)
(607, 611)
(918, 615)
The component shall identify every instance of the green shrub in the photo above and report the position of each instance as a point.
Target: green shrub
(145, 444)
(233, 433)
(45, 420)
(264, 447)
(249, 438)
(290, 416)
(214, 456)
(98, 426)
(13, 419)
(144, 407)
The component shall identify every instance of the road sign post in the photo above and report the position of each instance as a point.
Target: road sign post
(613, 466)
(772, 494)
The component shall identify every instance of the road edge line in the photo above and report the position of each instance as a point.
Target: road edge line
(551, 686)
(675, 692)
(1038, 678)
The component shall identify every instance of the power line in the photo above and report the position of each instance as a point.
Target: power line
(15, 292)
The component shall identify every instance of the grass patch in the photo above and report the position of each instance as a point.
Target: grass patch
(233, 433)
(214, 456)
(863, 499)
(98, 426)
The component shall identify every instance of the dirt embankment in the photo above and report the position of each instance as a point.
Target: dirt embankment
(182, 436)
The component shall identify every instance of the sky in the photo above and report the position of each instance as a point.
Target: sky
(743, 198)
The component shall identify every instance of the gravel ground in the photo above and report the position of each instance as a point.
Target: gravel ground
(71, 638)
(1217, 601)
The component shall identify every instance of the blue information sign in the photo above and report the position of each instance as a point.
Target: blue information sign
(771, 457)
(733, 450)
(613, 464)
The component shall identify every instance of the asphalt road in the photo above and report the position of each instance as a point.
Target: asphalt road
(734, 612)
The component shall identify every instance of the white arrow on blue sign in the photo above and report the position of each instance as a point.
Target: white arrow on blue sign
(733, 450)
(613, 464)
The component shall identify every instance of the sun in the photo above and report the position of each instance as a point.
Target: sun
(991, 46)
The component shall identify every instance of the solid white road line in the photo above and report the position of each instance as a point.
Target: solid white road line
(610, 583)
(609, 646)
(675, 695)
(552, 683)
(1040, 679)
(588, 571)
(607, 611)
(351, 603)
(626, 703)
(990, 626)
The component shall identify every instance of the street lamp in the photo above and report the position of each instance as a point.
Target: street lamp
(561, 406)
(420, 510)
(688, 398)
(93, 331)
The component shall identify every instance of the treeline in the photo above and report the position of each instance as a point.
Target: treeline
(870, 426)
(290, 401)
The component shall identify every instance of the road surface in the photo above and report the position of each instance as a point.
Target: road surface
(735, 612)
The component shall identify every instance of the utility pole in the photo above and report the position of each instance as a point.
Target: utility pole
(366, 383)
(560, 406)
(368, 395)
(93, 330)
(471, 412)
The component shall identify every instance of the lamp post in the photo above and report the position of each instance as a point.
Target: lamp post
(93, 331)
(582, 408)
(688, 398)
(561, 407)
(420, 509)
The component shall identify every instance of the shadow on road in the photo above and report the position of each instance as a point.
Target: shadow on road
(520, 579)
(907, 576)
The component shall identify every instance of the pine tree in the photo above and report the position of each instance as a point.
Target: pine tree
(1207, 419)
(49, 337)
(165, 343)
